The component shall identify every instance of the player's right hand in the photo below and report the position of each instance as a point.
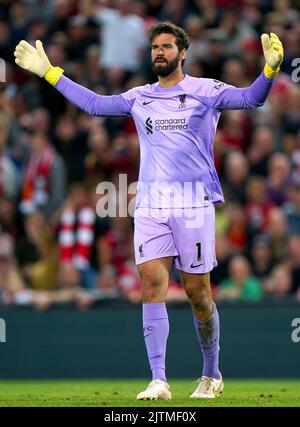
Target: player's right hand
(32, 59)
(273, 53)
(273, 50)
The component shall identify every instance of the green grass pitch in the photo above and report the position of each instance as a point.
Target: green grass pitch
(121, 393)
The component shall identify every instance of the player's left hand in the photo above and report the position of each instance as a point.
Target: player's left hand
(32, 59)
(273, 51)
(36, 61)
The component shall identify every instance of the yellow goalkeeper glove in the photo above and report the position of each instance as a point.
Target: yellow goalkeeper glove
(273, 52)
(36, 61)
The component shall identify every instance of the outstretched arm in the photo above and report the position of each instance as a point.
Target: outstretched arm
(232, 98)
(36, 61)
(90, 102)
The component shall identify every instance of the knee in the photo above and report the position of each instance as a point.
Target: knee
(200, 297)
(152, 287)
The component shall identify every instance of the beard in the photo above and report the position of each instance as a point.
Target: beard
(165, 69)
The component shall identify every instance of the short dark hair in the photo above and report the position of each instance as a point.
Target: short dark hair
(167, 27)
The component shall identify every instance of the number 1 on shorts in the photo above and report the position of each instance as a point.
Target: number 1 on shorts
(198, 245)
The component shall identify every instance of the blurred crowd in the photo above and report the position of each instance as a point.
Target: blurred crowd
(54, 248)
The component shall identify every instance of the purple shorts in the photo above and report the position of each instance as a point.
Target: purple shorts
(188, 234)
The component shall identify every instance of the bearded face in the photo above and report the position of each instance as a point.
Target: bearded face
(165, 56)
(163, 67)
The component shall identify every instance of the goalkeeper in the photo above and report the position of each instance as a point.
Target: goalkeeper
(176, 120)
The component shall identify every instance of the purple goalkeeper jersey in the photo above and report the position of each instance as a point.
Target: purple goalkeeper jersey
(176, 128)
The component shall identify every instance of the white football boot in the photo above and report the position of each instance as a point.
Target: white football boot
(156, 390)
(208, 388)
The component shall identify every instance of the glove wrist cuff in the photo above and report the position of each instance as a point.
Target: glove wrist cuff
(53, 75)
(269, 72)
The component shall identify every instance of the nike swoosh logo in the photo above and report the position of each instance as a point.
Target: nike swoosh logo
(147, 102)
(195, 266)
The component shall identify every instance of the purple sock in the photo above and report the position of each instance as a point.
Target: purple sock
(208, 333)
(156, 331)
